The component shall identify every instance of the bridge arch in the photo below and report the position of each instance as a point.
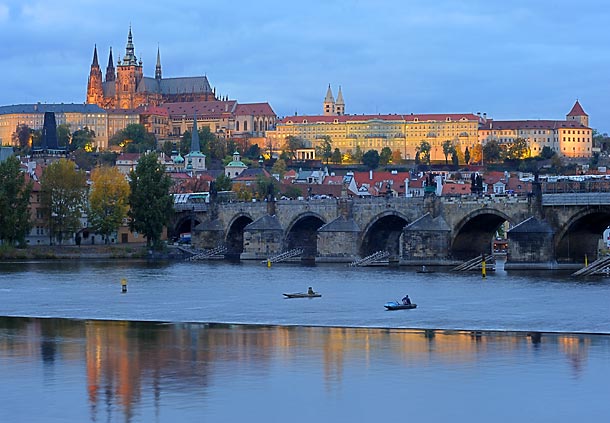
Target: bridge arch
(184, 224)
(474, 234)
(581, 234)
(302, 232)
(234, 239)
(383, 233)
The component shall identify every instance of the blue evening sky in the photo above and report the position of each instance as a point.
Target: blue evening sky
(517, 59)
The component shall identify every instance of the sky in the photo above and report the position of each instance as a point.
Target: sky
(510, 59)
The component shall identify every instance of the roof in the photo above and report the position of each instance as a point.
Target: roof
(152, 110)
(251, 174)
(203, 109)
(56, 108)
(392, 117)
(577, 110)
(529, 124)
(182, 85)
(456, 189)
(254, 109)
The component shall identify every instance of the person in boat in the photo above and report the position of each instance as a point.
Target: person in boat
(406, 300)
(310, 291)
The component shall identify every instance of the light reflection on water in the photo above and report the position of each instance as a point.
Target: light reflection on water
(86, 370)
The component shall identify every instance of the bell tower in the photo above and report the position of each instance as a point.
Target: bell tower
(129, 75)
(329, 103)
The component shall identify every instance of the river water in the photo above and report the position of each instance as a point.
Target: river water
(218, 342)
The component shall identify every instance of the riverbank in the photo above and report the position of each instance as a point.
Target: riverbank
(114, 251)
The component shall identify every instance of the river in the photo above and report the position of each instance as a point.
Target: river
(218, 342)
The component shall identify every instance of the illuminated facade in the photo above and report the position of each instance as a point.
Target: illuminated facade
(128, 88)
(568, 138)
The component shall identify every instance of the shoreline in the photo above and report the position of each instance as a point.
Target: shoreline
(86, 252)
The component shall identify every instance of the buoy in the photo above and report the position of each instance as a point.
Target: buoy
(123, 285)
(268, 263)
(483, 270)
(586, 261)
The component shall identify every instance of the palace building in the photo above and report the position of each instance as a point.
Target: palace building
(126, 87)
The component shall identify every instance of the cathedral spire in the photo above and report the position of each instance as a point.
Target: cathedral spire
(130, 57)
(158, 67)
(110, 75)
(340, 104)
(95, 63)
(195, 148)
(329, 103)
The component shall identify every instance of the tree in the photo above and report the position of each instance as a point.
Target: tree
(385, 156)
(447, 149)
(64, 135)
(492, 151)
(467, 156)
(357, 155)
(546, 152)
(108, 200)
(134, 139)
(371, 159)
(476, 154)
(291, 145)
(455, 160)
(223, 183)
(253, 152)
(518, 149)
(326, 148)
(336, 158)
(266, 187)
(83, 139)
(396, 157)
(22, 137)
(424, 152)
(62, 198)
(151, 205)
(279, 167)
(14, 202)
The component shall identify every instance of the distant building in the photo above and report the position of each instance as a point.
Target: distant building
(571, 137)
(126, 87)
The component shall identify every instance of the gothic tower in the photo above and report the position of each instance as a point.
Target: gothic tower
(340, 104)
(158, 67)
(329, 103)
(95, 91)
(110, 75)
(129, 75)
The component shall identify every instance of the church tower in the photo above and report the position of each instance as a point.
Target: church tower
(129, 75)
(578, 114)
(329, 103)
(158, 76)
(110, 75)
(340, 104)
(95, 92)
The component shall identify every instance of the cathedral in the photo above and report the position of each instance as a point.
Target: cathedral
(127, 87)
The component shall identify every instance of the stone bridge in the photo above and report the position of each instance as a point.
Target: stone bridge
(546, 231)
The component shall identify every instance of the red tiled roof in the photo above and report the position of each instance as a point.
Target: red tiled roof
(254, 109)
(577, 110)
(152, 110)
(379, 177)
(499, 125)
(129, 157)
(333, 180)
(203, 109)
(456, 189)
(366, 118)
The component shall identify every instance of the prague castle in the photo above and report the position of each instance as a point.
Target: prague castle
(126, 87)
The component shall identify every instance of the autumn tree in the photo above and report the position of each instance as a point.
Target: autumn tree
(62, 198)
(517, 149)
(22, 137)
(151, 204)
(492, 151)
(14, 202)
(108, 200)
(396, 157)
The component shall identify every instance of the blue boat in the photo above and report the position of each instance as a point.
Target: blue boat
(395, 305)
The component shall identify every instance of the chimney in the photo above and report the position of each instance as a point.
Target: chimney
(371, 174)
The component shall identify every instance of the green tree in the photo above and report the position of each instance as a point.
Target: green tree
(424, 152)
(22, 137)
(336, 158)
(357, 155)
(325, 150)
(492, 152)
(467, 156)
(108, 200)
(14, 202)
(151, 205)
(447, 149)
(292, 192)
(546, 152)
(279, 167)
(134, 139)
(371, 159)
(62, 198)
(385, 156)
(253, 152)
(64, 136)
(266, 187)
(223, 183)
(455, 160)
(83, 139)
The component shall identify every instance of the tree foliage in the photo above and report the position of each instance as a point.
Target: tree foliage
(108, 200)
(134, 139)
(325, 149)
(279, 167)
(492, 152)
(151, 204)
(447, 149)
(337, 157)
(357, 155)
(424, 152)
(64, 136)
(517, 149)
(467, 155)
(291, 145)
(83, 139)
(396, 157)
(22, 137)
(385, 156)
(14, 201)
(223, 183)
(371, 159)
(63, 198)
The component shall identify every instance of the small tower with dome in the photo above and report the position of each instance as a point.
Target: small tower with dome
(235, 167)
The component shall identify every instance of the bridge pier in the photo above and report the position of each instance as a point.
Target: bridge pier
(263, 238)
(530, 246)
(426, 242)
(342, 231)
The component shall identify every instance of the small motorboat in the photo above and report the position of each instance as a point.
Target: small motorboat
(302, 295)
(425, 270)
(395, 305)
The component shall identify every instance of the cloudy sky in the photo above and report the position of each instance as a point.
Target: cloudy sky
(513, 59)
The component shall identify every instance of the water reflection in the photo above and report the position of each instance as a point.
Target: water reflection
(133, 369)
